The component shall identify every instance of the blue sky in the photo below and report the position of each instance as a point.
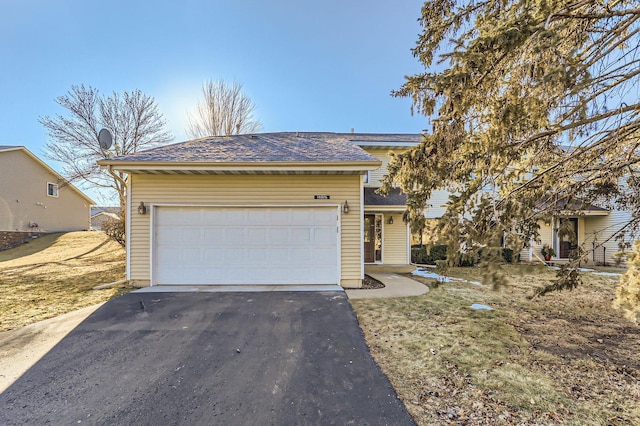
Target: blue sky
(307, 66)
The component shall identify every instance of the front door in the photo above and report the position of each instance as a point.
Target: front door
(369, 238)
(568, 237)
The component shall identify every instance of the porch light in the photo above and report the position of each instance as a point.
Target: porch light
(345, 207)
(390, 222)
(142, 209)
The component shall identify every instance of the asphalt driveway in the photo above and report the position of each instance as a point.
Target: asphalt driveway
(269, 358)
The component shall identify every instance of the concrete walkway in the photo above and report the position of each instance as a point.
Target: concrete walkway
(395, 286)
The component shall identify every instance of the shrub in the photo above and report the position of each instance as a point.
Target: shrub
(507, 255)
(115, 229)
(420, 255)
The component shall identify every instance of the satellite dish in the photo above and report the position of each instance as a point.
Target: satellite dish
(104, 139)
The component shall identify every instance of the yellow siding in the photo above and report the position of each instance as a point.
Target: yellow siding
(394, 246)
(24, 199)
(247, 190)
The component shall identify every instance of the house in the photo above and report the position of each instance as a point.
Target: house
(34, 198)
(591, 228)
(271, 208)
(99, 215)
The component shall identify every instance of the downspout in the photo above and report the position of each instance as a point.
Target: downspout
(118, 178)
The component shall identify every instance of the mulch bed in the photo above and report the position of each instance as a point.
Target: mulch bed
(371, 283)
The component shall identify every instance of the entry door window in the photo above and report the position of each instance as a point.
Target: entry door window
(372, 238)
(378, 242)
(567, 237)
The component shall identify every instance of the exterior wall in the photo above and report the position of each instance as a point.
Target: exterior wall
(247, 190)
(599, 229)
(591, 229)
(394, 241)
(435, 207)
(24, 200)
(375, 176)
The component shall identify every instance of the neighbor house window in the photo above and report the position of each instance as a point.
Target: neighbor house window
(52, 189)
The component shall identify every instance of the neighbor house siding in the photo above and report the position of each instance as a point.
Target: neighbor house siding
(24, 200)
(395, 245)
(247, 190)
(546, 237)
(436, 204)
(590, 229)
(599, 229)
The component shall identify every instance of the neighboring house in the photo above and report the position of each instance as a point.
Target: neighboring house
(34, 198)
(593, 228)
(273, 208)
(99, 215)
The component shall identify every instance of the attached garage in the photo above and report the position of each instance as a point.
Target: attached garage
(245, 245)
(273, 209)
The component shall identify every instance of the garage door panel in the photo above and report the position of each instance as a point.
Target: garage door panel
(324, 235)
(233, 236)
(236, 217)
(301, 235)
(279, 236)
(243, 245)
(213, 216)
(212, 255)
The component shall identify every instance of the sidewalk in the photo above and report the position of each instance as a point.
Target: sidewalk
(23, 347)
(394, 286)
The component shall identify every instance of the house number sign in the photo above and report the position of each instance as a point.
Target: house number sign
(321, 197)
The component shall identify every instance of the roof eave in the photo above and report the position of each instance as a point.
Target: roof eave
(130, 166)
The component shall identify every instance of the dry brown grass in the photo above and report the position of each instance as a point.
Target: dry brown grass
(566, 358)
(55, 274)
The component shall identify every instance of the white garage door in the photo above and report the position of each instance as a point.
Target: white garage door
(245, 245)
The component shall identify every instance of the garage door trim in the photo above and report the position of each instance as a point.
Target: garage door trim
(153, 208)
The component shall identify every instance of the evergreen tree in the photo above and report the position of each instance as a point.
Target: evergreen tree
(534, 108)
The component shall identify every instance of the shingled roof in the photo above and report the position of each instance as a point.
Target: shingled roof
(395, 198)
(263, 153)
(257, 148)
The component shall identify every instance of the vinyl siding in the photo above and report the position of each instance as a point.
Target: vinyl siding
(375, 176)
(435, 206)
(394, 246)
(247, 190)
(599, 229)
(24, 199)
(590, 229)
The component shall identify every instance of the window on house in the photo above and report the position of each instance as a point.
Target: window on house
(365, 178)
(52, 189)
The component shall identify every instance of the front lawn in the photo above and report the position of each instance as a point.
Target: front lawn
(55, 274)
(565, 358)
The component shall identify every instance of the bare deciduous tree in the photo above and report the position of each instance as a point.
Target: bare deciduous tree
(224, 110)
(132, 117)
